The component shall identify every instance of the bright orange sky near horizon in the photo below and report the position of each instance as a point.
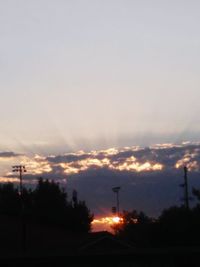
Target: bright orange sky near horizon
(105, 223)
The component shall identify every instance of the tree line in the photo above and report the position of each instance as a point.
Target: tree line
(176, 226)
(48, 204)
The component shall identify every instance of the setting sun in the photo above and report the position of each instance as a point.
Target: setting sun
(117, 220)
(105, 223)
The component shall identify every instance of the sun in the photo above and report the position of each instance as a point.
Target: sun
(117, 219)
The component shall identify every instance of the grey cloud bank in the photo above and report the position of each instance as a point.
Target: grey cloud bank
(149, 177)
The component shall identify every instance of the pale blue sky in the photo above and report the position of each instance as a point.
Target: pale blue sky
(90, 73)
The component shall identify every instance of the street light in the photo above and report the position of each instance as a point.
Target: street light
(21, 169)
(185, 186)
(116, 190)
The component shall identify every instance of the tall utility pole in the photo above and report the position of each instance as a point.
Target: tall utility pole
(185, 186)
(21, 169)
(75, 198)
(116, 190)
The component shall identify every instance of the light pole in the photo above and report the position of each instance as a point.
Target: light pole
(185, 186)
(21, 169)
(116, 190)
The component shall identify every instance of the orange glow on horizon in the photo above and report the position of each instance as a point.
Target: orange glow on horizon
(9, 180)
(106, 223)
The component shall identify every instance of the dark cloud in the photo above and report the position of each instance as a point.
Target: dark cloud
(150, 191)
(8, 154)
(167, 156)
(67, 158)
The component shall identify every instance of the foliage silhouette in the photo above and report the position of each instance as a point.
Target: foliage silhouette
(49, 202)
(136, 227)
(46, 204)
(79, 217)
(176, 226)
(9, 200)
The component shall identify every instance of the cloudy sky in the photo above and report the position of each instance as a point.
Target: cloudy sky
(94, 74)
(149, 177)
(90, 75)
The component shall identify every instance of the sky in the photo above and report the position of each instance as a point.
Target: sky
(94, 74)
(82, 76)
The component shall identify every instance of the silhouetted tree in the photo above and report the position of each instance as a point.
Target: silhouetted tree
(174, 225)
(50, 205)
(46, 204)
(49, 202)
(9, 199)
(135, 227)
(196, 193)
(79, 217)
